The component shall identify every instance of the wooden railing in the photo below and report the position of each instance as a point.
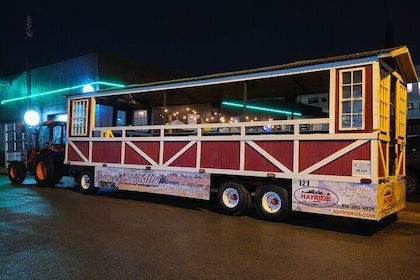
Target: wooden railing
(291, 127)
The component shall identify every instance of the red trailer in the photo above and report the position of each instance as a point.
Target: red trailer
(322, 136)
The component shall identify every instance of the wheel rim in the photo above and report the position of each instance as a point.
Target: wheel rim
(12, 172)
(230, 197)
(271, 202)
(41, 170)
(411, 184)
(85, 182)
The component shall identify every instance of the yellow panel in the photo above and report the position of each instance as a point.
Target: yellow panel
(390, 198)
(384, 100)
(92, 111)
(406, 63)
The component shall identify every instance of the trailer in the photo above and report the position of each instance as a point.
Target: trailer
(324, 136)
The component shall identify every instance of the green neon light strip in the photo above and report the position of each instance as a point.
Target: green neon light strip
(261, 108)
(60, 90)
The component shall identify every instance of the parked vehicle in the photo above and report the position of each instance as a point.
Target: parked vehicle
(413, 164)
(323, 136)
(45, 158)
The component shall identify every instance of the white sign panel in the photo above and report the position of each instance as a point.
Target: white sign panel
(335, 198)
(185, 184)
(360, 168)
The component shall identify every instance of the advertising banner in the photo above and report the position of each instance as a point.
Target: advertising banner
(391, 197)
(185, 184)
(335, 198)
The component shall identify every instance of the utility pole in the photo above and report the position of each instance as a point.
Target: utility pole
(28, 70)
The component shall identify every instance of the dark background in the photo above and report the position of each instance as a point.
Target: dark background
(202, 37)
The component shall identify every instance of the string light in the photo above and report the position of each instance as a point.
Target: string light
(259, 108)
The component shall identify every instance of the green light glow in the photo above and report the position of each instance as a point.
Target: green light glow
(59, 90)
(261, 108)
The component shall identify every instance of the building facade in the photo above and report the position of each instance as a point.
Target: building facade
(413, 112)
(44, 90)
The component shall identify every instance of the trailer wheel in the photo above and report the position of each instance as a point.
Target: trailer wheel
(17, 172)
(86, 182)
(233, 198)
(272, 202)
(47, 171)
(412, 182)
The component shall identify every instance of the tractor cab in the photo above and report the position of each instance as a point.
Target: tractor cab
(51, 134)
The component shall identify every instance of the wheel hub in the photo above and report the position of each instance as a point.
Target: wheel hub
(85, 182)
(271, 202)
(230, 198)
(274, 201)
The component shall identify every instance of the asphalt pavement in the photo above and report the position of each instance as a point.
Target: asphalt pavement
(60, 233)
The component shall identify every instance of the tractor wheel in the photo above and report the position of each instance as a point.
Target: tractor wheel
(48, 171)
(17, 172)
(234, 198)
(272, 202)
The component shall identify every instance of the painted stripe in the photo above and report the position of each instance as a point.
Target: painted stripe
(296, 152)
(122, 152)
(242, 155)
(382, 158)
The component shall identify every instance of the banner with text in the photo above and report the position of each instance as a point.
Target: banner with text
(185, 184)
(335, 198)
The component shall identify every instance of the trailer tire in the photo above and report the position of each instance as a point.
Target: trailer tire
(234, 198)
(272, 202)
(17, 172)
(47, 171)
(412, 182)
(86, 182)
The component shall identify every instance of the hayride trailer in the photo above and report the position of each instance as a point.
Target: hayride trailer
(323, 136)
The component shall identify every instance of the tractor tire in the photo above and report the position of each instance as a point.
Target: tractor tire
(17, 172)
(48, 171)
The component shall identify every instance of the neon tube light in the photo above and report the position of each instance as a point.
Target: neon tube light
(259, 108)
(59, 90)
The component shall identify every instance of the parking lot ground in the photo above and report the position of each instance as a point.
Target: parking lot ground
(60, 233)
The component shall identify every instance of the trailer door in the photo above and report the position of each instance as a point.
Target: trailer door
(397, 124)
(400, 123)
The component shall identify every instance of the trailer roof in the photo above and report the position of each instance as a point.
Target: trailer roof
(291, 79)
(401, 53)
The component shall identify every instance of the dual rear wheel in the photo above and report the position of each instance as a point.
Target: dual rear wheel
(234, 198)
(271, 201)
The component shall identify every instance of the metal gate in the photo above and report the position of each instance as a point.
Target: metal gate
(16, 140)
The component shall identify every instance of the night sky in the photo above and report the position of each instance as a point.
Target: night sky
(202, 37)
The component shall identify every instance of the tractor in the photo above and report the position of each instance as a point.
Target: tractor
(44, 159)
